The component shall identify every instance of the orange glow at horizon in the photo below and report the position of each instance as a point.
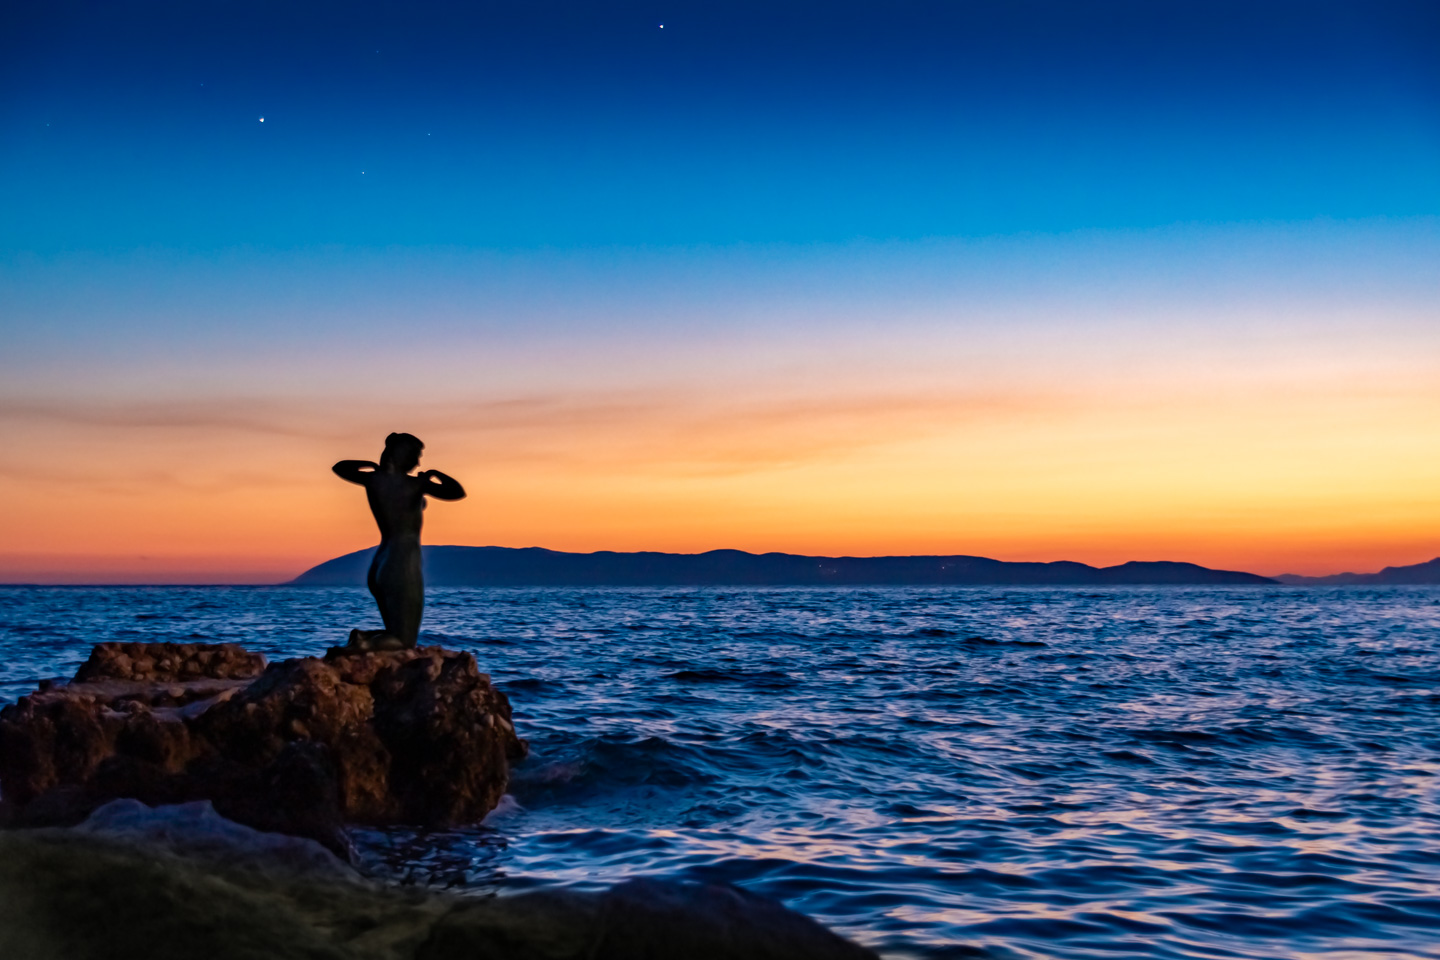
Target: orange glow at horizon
(1263, 479)
(1262, 398)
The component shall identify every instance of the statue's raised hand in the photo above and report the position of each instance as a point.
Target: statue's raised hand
(440, 486)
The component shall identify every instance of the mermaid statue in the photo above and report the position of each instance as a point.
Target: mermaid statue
(397, 499)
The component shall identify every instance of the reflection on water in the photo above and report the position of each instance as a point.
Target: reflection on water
(937, 772)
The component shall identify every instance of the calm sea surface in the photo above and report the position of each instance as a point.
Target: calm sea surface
(936, 772)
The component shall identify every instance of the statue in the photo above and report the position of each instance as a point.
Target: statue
(397, 499)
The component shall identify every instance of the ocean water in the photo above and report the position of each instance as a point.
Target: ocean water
(952, 772)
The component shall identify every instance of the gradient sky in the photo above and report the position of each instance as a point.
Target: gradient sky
(1099, 281)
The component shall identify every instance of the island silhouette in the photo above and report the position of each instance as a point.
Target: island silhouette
(459, 566)
(1415, 574)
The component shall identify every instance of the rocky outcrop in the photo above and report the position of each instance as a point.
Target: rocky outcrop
(640, 918)
(170, 662)
(303, 747)
(179, 883)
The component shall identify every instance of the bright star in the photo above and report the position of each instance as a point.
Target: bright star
(262, 119)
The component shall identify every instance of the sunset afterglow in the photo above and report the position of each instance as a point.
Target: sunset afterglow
(1171, 311)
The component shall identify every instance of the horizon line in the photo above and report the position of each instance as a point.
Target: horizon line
(289, 579)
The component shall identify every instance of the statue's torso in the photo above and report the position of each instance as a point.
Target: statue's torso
(398, 502)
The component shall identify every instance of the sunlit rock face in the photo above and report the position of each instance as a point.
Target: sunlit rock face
(304, 747)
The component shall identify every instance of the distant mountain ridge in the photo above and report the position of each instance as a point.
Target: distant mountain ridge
(450, 566)
(1416, 574)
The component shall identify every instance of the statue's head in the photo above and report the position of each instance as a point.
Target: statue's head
(402, 451)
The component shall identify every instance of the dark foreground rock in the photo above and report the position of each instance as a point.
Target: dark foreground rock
(302, 747)
(180, 883)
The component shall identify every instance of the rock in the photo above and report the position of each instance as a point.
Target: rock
(413, 736)
(637, 920)
(180, 882)
(652, 918)
(72, 895)
(196, 830)
(159, 662)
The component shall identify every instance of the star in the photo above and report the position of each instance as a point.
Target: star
(262, 119)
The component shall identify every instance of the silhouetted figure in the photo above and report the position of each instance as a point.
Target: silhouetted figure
(398, 500)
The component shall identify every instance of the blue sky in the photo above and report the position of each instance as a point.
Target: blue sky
(565, 124)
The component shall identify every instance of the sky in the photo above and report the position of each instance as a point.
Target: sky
(1028, 280)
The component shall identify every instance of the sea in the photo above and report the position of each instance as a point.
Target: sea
(934, 772)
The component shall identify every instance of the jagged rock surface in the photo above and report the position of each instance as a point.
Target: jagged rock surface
(303, 747)
(170, 662)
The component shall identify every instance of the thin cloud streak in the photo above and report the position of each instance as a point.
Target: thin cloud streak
(1201, 414)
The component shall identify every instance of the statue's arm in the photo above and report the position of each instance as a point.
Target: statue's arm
(356, 471)
(442, 487)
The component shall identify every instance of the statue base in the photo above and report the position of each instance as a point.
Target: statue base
(417, 736)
